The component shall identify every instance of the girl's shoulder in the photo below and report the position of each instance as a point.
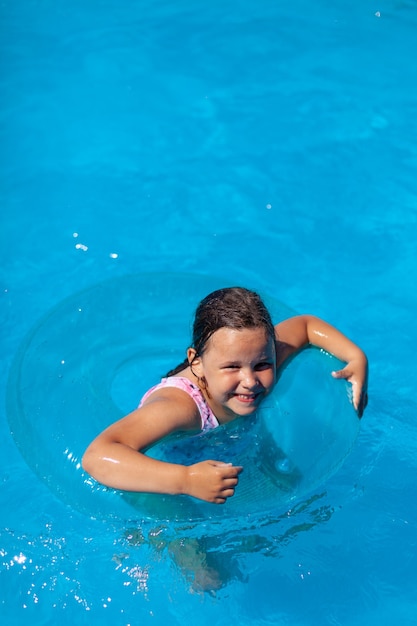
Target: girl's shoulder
(166, 389)
(283, 352)
(176, 382)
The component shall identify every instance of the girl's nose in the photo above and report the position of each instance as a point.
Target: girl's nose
(250, 380)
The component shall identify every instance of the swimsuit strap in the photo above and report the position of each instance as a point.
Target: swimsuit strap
(208, 419)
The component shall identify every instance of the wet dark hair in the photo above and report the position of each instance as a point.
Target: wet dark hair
(232, 307)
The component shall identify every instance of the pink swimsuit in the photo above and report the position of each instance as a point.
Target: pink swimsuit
(208, 419)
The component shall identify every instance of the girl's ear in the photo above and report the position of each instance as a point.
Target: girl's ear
(195, 362)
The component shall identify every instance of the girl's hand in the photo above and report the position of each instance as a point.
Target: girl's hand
(356, 372)
(212, 481)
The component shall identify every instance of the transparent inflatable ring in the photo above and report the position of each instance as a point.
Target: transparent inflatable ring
(89, 361)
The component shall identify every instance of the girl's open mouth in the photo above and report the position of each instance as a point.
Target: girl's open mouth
(248, 398)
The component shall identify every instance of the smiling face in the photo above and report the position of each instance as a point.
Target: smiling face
(238, 367)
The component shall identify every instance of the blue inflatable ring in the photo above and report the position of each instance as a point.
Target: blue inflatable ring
(88, 362)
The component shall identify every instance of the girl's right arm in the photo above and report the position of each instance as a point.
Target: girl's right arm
(114, 457)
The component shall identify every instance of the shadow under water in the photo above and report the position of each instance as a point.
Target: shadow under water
(209, 554)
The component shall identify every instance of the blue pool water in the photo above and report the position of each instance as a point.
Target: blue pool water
(272, 144)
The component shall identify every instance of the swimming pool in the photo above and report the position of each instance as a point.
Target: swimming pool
(273, 145)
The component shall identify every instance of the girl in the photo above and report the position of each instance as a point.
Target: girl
(229, 369)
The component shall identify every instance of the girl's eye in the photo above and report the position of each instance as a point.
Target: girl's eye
(263, 366)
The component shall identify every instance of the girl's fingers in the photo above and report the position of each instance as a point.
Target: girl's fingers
(363, 403)
(227, 493)
(343, 373)
(359, 394)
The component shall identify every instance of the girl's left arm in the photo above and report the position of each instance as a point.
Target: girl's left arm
(299, 331)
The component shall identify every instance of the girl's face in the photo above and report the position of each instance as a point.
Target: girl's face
(239, 369)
